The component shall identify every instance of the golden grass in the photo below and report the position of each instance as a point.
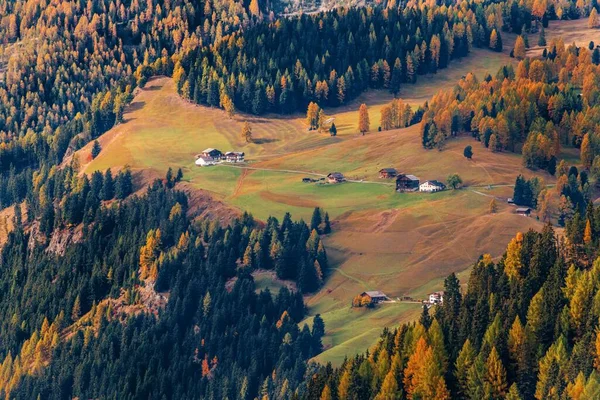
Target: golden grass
(398, 243)
(575, 31)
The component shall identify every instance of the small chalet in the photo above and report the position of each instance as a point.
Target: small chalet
(204, 161)
(431, 186)
(407, 183)
(375, 295)
(436, 298)
(234, 156)
(213, 153)
(335, 177)
(387, 173)
(524, 211)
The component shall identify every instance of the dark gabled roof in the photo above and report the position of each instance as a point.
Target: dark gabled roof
(434, 183)
(407, 176)
(388, 170)
(335, 175)
(374, 293)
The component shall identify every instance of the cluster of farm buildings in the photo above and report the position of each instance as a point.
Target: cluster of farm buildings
(374, 297)
(404, 182)
(212, 156)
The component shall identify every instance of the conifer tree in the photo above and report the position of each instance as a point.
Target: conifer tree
(520, 48)
(96, 149)
(389, 388)
(496, 375)
(108, 189)
(326, 393)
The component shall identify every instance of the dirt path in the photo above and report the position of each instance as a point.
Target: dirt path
(240, 181)
(345, 274)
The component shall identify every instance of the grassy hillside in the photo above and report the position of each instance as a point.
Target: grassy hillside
(403, 244)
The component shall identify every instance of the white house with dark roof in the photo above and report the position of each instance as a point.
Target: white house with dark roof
(234, 156)
(436, 298)
(431, 186)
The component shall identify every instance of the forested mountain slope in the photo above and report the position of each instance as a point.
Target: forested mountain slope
(526, 327)
(107, 294)
(63, 339)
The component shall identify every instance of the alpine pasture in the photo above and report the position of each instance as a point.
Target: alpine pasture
(402, 244)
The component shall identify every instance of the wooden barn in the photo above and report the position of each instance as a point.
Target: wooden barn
(213, 153)
(387, 173)
(407, 183)
(375, 295)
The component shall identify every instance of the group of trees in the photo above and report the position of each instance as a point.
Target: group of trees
(569, 197)
(398, 114)
(526, 191)
(212, 339)
(70, 68)
(543, 105)
(525, 327)
(331, 57)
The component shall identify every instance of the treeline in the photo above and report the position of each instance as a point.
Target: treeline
(71, 67)
(331, 57)
(542, 106)
(72, 254)
(525, 327)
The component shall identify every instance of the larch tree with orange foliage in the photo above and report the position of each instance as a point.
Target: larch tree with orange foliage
(520, 48)
(363, 119)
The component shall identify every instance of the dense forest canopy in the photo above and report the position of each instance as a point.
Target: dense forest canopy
(107, 294)
(331, 57)
(544, 105)
(96, 289)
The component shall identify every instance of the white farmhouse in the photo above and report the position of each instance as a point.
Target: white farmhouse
(431, 186)
(436, 298)
(204, 161)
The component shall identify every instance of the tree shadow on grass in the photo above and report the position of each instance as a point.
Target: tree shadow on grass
(264, 140)
(136, 106)
(153, 88)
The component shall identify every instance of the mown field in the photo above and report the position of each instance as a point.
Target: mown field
(402, 244)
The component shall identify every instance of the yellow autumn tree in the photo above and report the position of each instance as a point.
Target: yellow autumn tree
(423, 378)
(227, 105)
(586, 152)
(493, 39)
(512, 263)
(326, 393)
(363, 119)
(389, 388)
(345, 382)
(520, 48)
(593, 19)
(149, 252)
(247, 132)
(587, 235)
(312, 115)
(254, 8)
(597, 351)
(495, 375)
